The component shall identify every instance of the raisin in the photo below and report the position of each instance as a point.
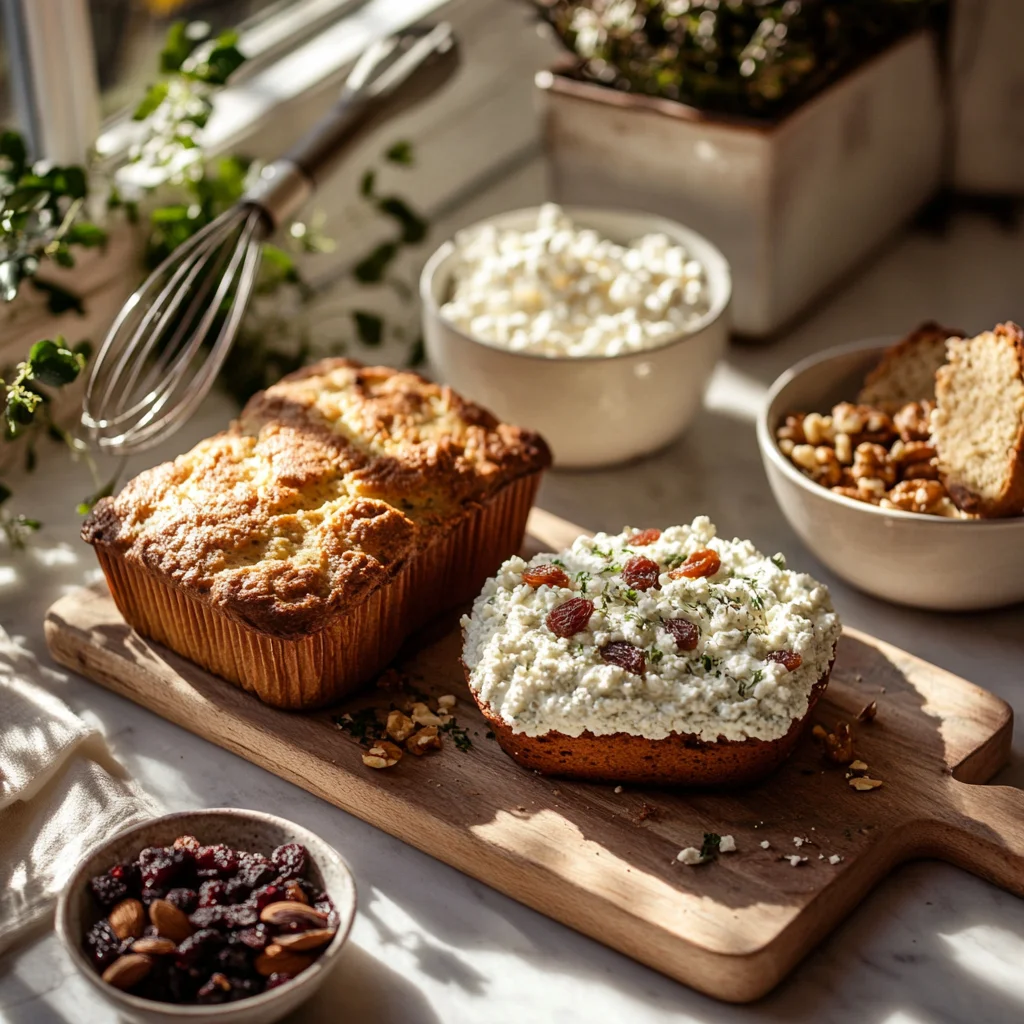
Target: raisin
(546, 575)
(701, 563)
(265, 895)
(160, 866)
(626, 656)
(256, 937)
(643, 538)
(255, 870)
(641, 573)
(200, 946)
(684, 632)
(788, 659)
(184, 899)
(130, 875)
(290, 860)
(241, 915)
(102, 946)
(218, 858)
(277, 979)
(108, 890)
(242, 988)
(213, 892)
(570, 618)
(235, 960)
(208, 917)
(236, 890)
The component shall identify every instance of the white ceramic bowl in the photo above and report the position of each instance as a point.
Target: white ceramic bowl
(593, 411)
(244, 830)
(903, 557)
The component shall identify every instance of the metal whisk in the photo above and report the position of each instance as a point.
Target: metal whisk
(169, 341)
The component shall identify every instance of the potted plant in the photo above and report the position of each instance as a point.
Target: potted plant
(795, 135)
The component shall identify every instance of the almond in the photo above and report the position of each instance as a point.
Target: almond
(127, 971)
(169, 921)
(128, 919)
(301, 941)
(289, 914)
(295, 892)
(275, 960)
(154, 946)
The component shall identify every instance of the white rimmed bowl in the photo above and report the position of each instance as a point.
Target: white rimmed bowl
(904, 557)
(593, 411)
(241, 829)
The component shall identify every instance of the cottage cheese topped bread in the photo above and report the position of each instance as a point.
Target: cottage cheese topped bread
(906, 373)
(978, 423)
(293, 552)
(662, 657)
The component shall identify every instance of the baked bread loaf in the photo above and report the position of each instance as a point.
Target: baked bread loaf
(656, 657)
(906, 373)
(978, 423)
(293, 553)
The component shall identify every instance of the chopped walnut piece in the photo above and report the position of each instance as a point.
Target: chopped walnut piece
(422, 715)
(838, 745)
(400, 726)
(862, 783)
(907, 453)
(382, 755)
(425, 740)
(844, 449)
(792, 430)
(446, 701)
(924, 496)
(868, 712)
(858, 766)
(818, 429)
(820, 463)
(872, 461)
(913, 421)
(864, 423)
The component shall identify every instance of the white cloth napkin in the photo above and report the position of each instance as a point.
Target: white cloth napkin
(61, 792)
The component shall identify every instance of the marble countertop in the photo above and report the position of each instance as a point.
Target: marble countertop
(931, 944)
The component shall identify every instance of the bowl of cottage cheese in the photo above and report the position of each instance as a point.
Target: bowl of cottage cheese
(598, 328)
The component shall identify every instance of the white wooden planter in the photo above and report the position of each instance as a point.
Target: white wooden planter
(793, 204)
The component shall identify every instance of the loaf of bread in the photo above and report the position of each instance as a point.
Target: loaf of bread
(978, 423)
(293, 553)
(650, 656)
(906, 373)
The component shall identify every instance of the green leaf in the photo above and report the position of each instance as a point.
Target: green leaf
(414, 227)
(219, 66)
(369, 327)
(400, 153)
(5, 492)
(83, 348)
(417, 353)
(53, 364)
(178, 46)
(281, 263)
(70, 182)
(86, 234)
(12, 149)
(27, 524)
(370, 269)
(155, 95)
(59, 300)
(169, 214)
(709, 848)
(367, 183)
(104, 492)
(19, 409)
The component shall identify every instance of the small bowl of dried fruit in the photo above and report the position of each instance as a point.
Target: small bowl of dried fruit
(869, 449)
(220, 915)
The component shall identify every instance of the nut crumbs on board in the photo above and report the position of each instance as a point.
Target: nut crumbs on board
(765, 845)
(727, 845)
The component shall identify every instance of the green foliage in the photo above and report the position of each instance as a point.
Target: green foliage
(753, 58)
(39, 220)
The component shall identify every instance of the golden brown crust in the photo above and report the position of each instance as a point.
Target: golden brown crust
(326, 486)
(676, 760)
(1011, 501)
(914, 346)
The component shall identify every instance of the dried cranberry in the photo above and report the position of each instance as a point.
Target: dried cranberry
(255, 870)
(570, 618)
(236, 891)
(220, 859)
(102, 946)
(108, 890)
(276, 980)
(208, 917)
(684, 632)
(199, 947)
(235, 960)
(241, 915)
(643, 538)
(701, 563)
(290, 860)
(212, 893)
(641, 573)
(128, 873)
(266, 894)
(325, 906)
(161, 866)
(626, 656)
(545, 575)
(256, 937)
(788, 659)
(155, 893)
(183, 899)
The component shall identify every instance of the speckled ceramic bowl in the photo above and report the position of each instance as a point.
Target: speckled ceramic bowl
(244, 830)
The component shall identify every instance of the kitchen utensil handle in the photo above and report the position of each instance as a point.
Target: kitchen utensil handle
(986, 833)
(394, 74)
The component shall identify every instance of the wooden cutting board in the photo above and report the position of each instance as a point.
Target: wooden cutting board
(602, 861)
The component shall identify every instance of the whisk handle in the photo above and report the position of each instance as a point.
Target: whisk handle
(391, 76)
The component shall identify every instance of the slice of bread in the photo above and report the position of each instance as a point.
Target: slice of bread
(978, 423)
(906, 373)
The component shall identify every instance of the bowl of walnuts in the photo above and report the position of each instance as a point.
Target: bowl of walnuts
(218, 915)
(901, 464)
